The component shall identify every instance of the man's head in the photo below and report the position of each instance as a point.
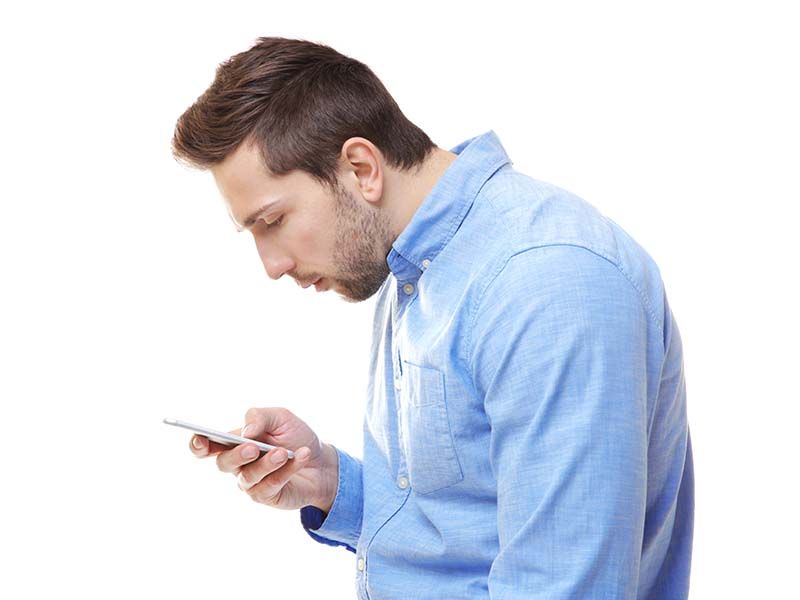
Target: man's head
(303, 143)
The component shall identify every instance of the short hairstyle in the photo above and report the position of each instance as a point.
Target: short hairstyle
(298, 102)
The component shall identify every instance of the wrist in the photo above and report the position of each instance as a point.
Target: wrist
(329, 479)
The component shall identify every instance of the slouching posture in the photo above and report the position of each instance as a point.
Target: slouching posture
(525, 432)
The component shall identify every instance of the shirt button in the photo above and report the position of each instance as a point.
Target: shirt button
(360, 564)
(426, 263)
(408, 289)
(398, 384)
(402, 483)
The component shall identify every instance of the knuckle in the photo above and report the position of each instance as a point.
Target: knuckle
(262, 493)
(222, 463)
(252, 414)
(246, 478)
(277, 479)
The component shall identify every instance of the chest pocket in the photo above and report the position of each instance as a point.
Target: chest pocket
(427, 439)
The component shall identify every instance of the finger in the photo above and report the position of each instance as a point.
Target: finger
(202, 447)
(273, 483)
(231, 460)
(199, 445)
(254, 472)
(265, 422)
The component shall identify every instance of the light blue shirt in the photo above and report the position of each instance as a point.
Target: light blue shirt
(525, 432)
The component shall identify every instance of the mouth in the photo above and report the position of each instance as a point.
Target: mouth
(310, 283)
(318, 285)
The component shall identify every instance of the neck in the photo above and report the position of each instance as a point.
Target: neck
(409, 189)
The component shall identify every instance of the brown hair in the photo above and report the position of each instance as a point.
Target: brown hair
(298, 102)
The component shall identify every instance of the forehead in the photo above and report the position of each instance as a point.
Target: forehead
(247, 186)
(242, 175)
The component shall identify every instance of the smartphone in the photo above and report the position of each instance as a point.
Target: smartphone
(227, 439)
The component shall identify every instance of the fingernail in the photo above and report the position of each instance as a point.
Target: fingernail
(278, 457)
(246, 430)
(249, 452)
(302, 454)
(197, 444)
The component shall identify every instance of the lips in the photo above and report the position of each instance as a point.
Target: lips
(309, 283)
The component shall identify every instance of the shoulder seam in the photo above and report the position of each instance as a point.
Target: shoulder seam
(479, 300)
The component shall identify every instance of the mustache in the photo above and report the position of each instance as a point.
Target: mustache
(304, 280)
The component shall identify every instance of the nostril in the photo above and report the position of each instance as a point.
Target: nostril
(277, 267)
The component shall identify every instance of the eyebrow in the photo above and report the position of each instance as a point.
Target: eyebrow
(251, 220)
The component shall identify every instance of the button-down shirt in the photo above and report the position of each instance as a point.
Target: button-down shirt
(525, 431)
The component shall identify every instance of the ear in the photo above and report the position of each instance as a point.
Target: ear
(363, 162)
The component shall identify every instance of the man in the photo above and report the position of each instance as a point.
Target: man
(525, 432)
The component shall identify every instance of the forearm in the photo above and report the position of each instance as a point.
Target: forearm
(341, 522)
(330, 484)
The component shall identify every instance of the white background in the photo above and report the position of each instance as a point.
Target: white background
(127, 296)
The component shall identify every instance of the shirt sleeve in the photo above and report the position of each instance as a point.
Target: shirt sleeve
(342, 525)
(559, 354)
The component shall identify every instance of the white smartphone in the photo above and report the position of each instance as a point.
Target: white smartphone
(228, 439)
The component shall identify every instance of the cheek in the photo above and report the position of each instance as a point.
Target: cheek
(311, 241)
(306, 238)
(314, 232)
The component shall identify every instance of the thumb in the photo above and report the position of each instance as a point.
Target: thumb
(261, 421)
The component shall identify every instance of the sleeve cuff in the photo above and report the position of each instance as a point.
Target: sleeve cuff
(342, 526)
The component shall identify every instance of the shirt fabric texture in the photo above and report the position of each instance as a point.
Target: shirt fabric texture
(525, 431)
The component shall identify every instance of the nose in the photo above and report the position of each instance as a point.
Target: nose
(276, 268)
(276, 264)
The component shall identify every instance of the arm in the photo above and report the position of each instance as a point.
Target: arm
(321, 479)
(559, 355)
(341, 525)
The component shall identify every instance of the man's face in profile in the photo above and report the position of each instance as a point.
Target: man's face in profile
(317, 235)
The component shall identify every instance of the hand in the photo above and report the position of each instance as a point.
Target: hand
(309, 479)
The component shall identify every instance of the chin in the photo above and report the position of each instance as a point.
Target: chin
(353, 299)
(344, 295)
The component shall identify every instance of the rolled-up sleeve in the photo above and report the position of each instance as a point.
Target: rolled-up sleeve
(558, 351)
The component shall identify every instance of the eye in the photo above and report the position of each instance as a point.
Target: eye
(274, 223)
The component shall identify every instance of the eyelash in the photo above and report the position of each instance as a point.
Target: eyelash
(274, 223)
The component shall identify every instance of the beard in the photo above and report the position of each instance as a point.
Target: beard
(363, 242)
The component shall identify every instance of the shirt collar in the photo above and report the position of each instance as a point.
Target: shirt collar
(442, 211)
